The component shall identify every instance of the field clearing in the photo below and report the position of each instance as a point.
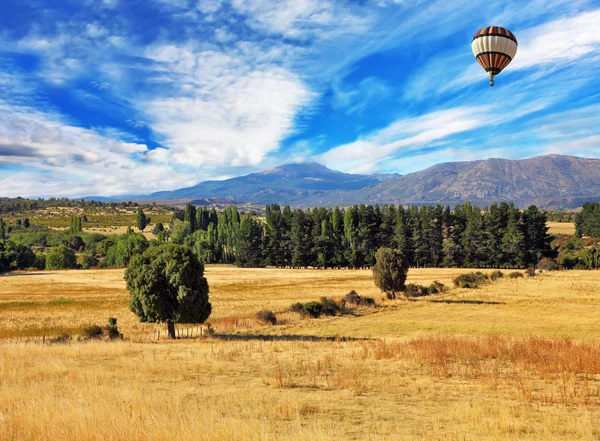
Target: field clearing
(121, 230)
(561, 227)
(558, 304)
(514, 360)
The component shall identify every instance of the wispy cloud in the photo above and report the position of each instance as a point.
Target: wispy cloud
(97, 98)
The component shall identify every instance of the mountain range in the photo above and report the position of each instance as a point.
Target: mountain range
(549, 181)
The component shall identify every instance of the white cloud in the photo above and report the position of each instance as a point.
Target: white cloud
(62, 159)
(560, 41)
(405, 134)
(300, 18)
(229, 110)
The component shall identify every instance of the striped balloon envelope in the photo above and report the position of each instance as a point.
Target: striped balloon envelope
(494, 47)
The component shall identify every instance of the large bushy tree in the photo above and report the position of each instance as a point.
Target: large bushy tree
(60, 257)
(390, 270)
(14, 256)
(167, 285)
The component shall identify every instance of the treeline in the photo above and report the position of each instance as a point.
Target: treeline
(14, 206)
(429, 236)
(587, 221)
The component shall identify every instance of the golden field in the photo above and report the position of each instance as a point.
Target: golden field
(517, 359)
(561, 227)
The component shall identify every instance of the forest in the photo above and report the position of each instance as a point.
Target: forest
(429, 236)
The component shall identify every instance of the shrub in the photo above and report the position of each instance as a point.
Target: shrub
(266, 316)
(530, 271)
(496, 275)
(548, 264)
(352, 298)
(470, 280)
(93, 332)
(60, 257)
(414, 290)
(112, 329)
(313, 309)
(369, 301)
(390, 295)
(62, 338)
(515, 275)
(87, 261)
(39, 262)
(330, 307)
(436, 287)
(297, 307)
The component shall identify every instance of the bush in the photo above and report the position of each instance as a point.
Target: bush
(62, 338)
(390, 295)
(414, 290)
(496, 275)
(93, 332)
(39, 262)
(112, 329)
(437, 287)
(87, 261)
(470, 280)
(297, 307)
(352, 298)
(530, 272)
(313, 309)
(548, 264)
(60, 257)
(515, 275)
(330, 307)
(266, 316)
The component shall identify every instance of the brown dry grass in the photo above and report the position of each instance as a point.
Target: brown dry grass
(561, 227)
(427, 389)
(561, 304)
(513, 360)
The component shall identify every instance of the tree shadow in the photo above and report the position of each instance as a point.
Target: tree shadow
(291, 337)
(466, 302)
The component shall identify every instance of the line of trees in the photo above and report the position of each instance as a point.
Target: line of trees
(587, 221)
(429, 236)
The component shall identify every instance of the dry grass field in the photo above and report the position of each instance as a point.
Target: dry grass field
(514, 360)
(561, 227)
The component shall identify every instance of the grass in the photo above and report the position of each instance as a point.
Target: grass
(513, 360)
(561, 227)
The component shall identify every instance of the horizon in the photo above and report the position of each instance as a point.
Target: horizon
(95, 100)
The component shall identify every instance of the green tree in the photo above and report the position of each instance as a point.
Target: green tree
(15, 256)
(26, 223)
(75, 224)
(158, 228)
(167, 285)
(2, 229)
(587, 221)
(141, 220)
(390, 270)
(301, 239)
(76, 243)
(248, 247)
(60, 257)
(190, 216)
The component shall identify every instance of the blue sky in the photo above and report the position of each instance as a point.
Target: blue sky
(108, 97)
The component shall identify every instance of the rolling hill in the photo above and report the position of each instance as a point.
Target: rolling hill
(549, 181)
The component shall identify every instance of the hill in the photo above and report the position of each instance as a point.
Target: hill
(550, 181)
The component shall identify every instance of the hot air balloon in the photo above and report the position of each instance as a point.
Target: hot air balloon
(494, 47)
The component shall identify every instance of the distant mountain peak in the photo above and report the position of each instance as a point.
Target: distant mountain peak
(549, 181)
(299, 167)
